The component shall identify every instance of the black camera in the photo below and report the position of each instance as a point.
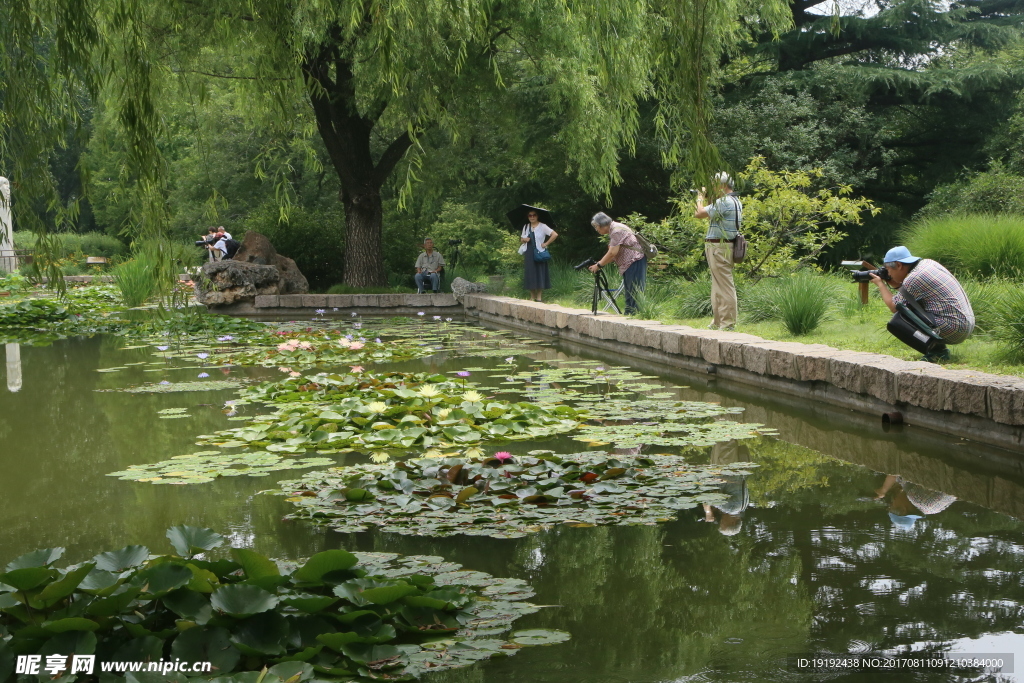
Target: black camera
(454, 243)
(584, 264)
(212, 239)
(865, 275)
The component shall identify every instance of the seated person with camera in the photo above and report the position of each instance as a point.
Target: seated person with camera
(931, 308)
(429, 265)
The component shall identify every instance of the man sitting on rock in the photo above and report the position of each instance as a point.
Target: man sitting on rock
(928, 293)
(428, 267)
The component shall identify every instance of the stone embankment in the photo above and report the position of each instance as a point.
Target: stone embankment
(975, 405)
(303, 305)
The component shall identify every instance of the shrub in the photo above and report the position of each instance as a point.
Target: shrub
(983, 245)
(1009, 321)
(313, 238)
(996, 190)
(803, 301)
(485, 245)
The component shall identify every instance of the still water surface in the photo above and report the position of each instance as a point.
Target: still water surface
(845, 539)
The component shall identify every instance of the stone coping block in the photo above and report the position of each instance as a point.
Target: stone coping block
(880, 376)
(268, 301)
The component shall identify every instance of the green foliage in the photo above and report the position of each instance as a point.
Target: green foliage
(505, 496)
(390, 410)
(136, 278)
(77, 245)
(803, 300)
(485, 245)
(336, 617)
(995, 191)
(981, 245)
(83, 311)
(1009, 321)
(694, 297)
(314, 238)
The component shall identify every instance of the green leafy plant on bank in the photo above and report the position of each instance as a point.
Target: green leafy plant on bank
(1009, 316)
(337, 616)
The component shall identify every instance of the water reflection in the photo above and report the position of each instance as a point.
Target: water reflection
(729, 514)
(813, 562)
(13, 354)
(909, 502)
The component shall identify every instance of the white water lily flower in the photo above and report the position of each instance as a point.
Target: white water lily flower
(379, 457)
(377, 407)
(472, 397)
(429, 391)
(444, 413)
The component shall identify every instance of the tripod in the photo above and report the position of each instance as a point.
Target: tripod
(603, 291)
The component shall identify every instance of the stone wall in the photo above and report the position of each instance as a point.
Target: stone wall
(976, 405)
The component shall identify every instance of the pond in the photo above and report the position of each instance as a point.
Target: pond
(844, 538)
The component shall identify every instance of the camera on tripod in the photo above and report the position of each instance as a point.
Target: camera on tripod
(584, 264)
(454, 242)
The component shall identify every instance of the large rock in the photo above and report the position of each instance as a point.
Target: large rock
(461, 287)
(257, 249)
(225, 283)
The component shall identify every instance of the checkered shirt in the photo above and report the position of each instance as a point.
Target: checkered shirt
(942, 296)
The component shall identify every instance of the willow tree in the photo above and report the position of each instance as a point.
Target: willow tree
(377, 74)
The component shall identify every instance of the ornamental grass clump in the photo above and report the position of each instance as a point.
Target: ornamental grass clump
(803, 301)
(982, 245)
(136, 279)
(338, 616)
(1009, 322)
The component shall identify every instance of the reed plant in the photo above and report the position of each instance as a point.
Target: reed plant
(694, 297)
(982, 245)
(137, 279)
(653, 302)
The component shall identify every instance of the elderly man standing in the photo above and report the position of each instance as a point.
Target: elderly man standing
(726, 214)
(428, 267)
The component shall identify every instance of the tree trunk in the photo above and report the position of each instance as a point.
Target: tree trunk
(347, 135)
(364, 259)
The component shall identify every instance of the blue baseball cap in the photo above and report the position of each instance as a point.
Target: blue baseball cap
(901, 254)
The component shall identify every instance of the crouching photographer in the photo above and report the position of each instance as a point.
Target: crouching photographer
(931, 308)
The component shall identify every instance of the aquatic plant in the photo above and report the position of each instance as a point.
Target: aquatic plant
(336, 616)
(505, 497)
(136, 279)
(205, 466)
(417, 411)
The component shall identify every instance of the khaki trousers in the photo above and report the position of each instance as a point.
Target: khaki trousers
(723, 289)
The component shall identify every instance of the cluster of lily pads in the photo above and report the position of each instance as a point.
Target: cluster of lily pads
(505, 496)
(337, 616)
(396, 410)
(205, 466)
(45, 316)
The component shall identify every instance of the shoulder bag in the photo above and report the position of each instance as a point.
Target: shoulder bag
(739, 245)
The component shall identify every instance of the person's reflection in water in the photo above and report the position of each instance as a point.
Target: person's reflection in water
(13, 352)
(910, 502)
(729, 514)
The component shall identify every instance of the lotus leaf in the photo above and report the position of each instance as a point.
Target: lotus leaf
(510, 499)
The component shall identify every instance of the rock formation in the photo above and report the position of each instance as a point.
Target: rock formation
(257, 268)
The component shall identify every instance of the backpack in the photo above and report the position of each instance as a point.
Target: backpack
(232, 248)
(646, 247)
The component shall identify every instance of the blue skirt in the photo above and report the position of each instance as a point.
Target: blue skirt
(535, 275)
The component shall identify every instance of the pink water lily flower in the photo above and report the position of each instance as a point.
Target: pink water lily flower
(294, 374)
(355, 346)
(502, 456)
(357, 368)
(305, 346)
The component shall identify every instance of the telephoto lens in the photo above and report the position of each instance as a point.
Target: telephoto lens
(584, 264)
(865, 275)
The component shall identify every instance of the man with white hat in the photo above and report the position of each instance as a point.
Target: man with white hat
(928, 293)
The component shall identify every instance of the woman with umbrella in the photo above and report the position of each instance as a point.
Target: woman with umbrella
(535, 238)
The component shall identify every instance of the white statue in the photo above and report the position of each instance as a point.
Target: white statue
(13, 367)
(8, 262)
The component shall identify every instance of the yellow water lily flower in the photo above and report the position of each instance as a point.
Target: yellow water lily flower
(474, 453)
(429, 391)
(379, 457)
(433, 453)
(377, 407)
(472, 397)
(444, 413)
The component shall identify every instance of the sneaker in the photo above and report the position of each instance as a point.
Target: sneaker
(936, 356)
(712, 326)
